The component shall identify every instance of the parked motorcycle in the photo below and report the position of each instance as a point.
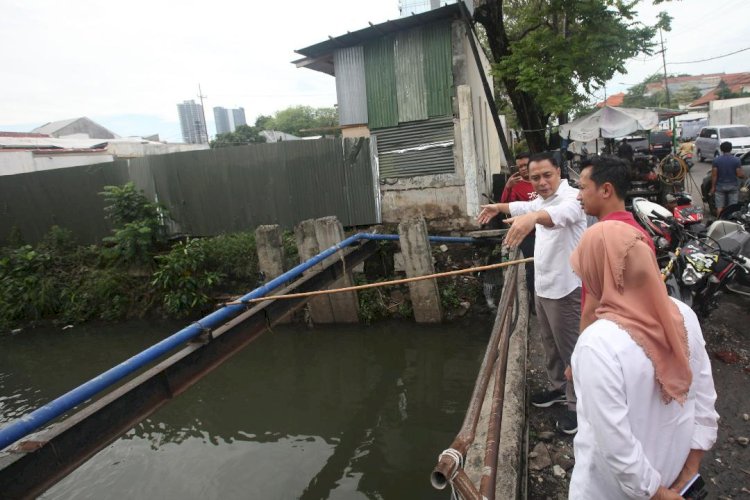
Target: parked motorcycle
(701, 268)
(732, 234)
(653, 217)
(695, 268)
(686, 212)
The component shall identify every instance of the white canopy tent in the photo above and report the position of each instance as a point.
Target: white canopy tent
(609, 122)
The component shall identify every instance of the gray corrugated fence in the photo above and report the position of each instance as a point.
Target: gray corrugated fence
(207, 192)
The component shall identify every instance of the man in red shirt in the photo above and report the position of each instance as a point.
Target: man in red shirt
(603, 186)
(602, 189)
(519, 188)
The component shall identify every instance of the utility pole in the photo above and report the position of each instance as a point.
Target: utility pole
(664, 64)
(203, 111)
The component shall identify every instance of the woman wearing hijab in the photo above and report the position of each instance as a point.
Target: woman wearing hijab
(641, 374)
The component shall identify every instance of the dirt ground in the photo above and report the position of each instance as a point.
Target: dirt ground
(726, 467)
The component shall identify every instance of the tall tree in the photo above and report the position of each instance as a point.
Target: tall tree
(242, 135)
(722, 91)
(636, 96)
(302, 120)
(550, 55)
(687, 95)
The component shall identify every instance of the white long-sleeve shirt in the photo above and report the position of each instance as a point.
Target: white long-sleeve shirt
(629, 442)
(553, 276)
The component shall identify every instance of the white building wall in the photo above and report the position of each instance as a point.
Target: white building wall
(136, 149)
(740, 114)
(16, 162)
(21, 162)
(489, 156)
(727, 103)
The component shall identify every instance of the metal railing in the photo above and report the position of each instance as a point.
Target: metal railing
(449, 470)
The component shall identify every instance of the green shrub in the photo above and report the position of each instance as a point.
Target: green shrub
(139, 226)
(449, 295)
(59, 242)
(183, 278)
(108, 294)
(372, 305)
(27, 292)
(232, 255)
(127, 204)
(291, 252)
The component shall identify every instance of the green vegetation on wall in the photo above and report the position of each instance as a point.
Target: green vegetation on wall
(134, 271)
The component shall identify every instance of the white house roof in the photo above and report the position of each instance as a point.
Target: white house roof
(52, 127)
(16, 142)
(50, 143)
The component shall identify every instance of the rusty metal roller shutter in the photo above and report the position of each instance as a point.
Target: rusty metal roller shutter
(416, 148)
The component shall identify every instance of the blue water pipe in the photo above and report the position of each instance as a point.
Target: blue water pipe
(32, 421)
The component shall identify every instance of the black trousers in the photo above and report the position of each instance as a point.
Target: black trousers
(527, 249)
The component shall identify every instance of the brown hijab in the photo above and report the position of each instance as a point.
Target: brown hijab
(621, 275)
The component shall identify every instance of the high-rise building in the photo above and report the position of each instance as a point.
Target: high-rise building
(227, 120)
(192, 123)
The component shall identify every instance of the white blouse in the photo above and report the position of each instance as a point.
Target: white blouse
(629, 442)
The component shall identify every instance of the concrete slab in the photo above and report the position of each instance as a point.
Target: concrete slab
(415, 247)
(270, 250)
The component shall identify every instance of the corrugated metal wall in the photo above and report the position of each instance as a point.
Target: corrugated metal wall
(351, 91)
(417, 148)
(409, 76)
(380, 72)
(66, 197)
(207, 192)
(438, 68)
(411, 91)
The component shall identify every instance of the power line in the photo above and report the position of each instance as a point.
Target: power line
(712, 58)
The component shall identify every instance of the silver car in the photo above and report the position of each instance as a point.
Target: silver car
(709, 138)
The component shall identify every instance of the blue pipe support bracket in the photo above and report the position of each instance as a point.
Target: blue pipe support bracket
(30, 422)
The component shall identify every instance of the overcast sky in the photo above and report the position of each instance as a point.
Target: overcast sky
(127, 64)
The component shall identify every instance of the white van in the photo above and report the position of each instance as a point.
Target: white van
(709, 138)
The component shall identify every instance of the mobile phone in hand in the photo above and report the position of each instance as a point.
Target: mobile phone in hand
(695, 488)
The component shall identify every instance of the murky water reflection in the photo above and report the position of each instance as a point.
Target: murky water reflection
(335, 412)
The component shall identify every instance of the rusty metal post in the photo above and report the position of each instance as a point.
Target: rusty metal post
(445, 471)
(489, 471)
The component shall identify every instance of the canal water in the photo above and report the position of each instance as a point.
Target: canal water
(341, 412)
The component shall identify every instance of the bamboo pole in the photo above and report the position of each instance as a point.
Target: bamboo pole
(382, 283)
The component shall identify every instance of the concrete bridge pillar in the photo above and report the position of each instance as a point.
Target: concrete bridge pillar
(270, 251)
(307, 246)
(345, 306)
(314, 236)
(415, 246)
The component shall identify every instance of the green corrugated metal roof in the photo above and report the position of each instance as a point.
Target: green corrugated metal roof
(382, 110)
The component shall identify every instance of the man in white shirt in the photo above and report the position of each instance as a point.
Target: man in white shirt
(559, 221)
